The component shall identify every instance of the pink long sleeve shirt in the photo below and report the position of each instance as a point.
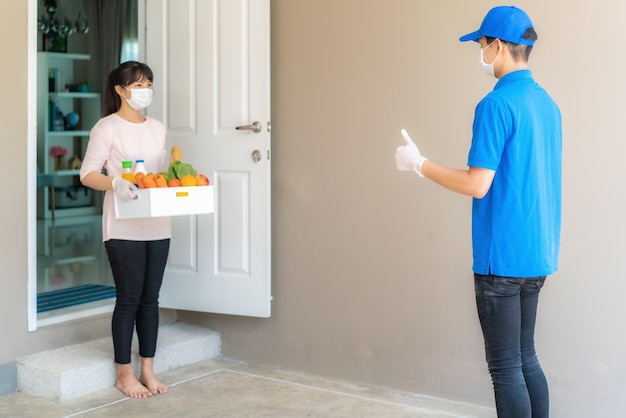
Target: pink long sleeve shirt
(113, 140)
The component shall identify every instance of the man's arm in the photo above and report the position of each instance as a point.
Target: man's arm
(474, 182)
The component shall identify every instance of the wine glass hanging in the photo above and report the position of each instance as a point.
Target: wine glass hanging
(55, 26)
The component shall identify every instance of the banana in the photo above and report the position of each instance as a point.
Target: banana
(176, 154)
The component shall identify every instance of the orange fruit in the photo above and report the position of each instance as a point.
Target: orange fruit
(149, 181)
(173, 183)
(160, 180)
(139, 180)
(188, 180)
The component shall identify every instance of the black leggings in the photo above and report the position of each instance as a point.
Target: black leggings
(137, 268)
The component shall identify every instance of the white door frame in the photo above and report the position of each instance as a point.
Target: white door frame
(31, 176)
(31, 165)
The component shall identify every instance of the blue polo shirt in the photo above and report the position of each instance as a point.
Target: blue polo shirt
(516, 225)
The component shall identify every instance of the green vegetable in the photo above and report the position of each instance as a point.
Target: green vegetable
(178, 170)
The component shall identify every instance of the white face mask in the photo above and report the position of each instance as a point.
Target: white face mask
(140, 98)
(488, 68)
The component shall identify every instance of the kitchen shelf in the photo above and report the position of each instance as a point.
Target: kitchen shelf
(73, 95)
(69, 218)
(68, 133)
(55, 70)
(62, 173)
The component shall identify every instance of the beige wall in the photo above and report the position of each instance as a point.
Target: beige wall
(14, 108)
(372, 267)
(13, 223)
(372, 273)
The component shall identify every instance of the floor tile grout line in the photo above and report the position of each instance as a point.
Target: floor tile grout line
(200, 376)
(95, 408)
(416, 408)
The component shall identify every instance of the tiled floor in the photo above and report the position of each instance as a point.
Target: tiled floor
(222, 388)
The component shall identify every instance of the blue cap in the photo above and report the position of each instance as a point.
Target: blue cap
(507, 23)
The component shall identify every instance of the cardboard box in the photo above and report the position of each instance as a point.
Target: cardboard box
(166, 201)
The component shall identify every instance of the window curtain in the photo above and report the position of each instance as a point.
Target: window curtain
(111, 17)
(130, 38)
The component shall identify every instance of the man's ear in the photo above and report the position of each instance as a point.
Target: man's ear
(501, 45)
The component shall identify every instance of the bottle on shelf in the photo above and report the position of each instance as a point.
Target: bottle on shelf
(127, 171)
(140, 167)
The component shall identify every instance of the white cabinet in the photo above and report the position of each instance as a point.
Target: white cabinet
(59, 192)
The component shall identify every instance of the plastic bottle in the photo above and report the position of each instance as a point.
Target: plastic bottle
(140, 167)
(127, 171)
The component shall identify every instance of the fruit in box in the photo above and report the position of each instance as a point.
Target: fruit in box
(184, 172)
(202, 180)
(188, 180)
(178, 174)
(163, 202)
(139, 180)
(178, 170)
(149, 181)
(160, 180)
(176, 154)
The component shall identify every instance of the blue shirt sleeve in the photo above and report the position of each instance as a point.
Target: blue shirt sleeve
(489, 134)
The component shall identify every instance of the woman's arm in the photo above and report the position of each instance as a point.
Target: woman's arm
(97, 181)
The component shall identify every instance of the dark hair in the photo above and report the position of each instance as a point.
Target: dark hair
(127, 73)
(519, 51)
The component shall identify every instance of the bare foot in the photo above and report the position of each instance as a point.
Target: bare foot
(128, 383)
(153, 384)
(149, 379)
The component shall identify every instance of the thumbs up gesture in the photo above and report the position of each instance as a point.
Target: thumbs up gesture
(408, 157)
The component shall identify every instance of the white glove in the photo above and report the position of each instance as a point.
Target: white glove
(124, 189)
(408, 157)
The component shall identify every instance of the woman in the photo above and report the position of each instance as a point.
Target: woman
(137, 248)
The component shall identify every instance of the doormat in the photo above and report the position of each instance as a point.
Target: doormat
(63, 298)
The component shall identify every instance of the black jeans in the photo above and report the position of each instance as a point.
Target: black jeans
(138, 268)
(507, 309)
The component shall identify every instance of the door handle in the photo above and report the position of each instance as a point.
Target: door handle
(256, 127)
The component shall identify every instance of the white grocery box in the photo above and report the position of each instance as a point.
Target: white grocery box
(166, 201)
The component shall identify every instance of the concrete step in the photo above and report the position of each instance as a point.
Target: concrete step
(77, 370)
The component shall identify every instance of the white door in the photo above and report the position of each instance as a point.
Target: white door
(211, 63)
